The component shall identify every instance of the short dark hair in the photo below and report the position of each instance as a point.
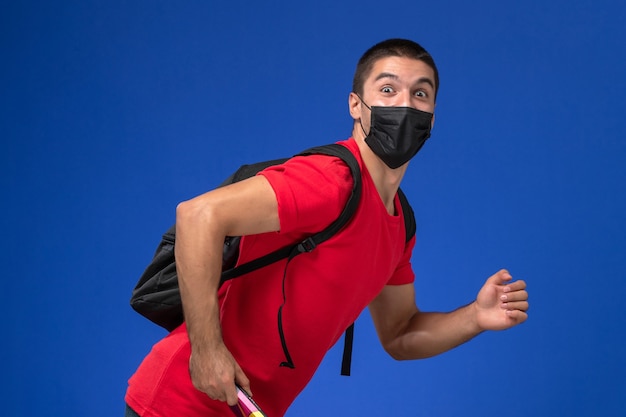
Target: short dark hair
(391, 47)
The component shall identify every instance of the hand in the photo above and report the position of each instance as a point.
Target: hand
(214, 371)
(501, 303)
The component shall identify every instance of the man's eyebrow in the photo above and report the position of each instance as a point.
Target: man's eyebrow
(386, 75)
(427, 81)
(422, 80)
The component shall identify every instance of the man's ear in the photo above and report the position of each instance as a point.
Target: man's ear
(354, 105)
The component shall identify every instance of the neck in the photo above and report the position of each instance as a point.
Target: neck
(386, 180)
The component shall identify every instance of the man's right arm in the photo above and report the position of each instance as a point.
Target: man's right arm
(202, 223)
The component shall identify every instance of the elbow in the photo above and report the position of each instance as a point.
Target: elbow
(195, 214)
(396, 355)
(186, 213)
(401, 356)
(403, 349)
(394, 349)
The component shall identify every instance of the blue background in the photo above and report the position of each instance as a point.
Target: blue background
(114, 111)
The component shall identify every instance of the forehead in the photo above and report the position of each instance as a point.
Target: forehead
(403, 69)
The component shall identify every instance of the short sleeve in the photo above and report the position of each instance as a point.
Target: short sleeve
(311, 191)
(404, 272)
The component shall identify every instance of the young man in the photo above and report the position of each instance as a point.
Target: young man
(231, 335)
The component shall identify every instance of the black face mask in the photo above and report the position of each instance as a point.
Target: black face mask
(397, 133)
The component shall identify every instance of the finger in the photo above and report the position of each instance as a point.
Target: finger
(230, 391)
(515, 286)
(242, 380)
(517, 305)
(520, 295)
(500, 277)
(517, 315)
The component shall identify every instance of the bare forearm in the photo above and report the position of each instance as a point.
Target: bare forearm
(247, 207)
(198, 261)
(407, 333)
(429, 334)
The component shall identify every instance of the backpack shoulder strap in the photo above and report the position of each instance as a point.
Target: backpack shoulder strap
(308, 244)
(250, 170)
(410, 225)
(355, 196)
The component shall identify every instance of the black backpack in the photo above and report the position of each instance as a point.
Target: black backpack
(157, 297)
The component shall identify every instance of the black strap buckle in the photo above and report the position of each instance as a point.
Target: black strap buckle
(306, 245)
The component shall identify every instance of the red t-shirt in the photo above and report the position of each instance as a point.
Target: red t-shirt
(326, 290)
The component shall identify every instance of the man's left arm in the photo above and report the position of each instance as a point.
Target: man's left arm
(408, 333)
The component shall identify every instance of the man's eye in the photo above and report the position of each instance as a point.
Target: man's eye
(421, 93)
(387, 90)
